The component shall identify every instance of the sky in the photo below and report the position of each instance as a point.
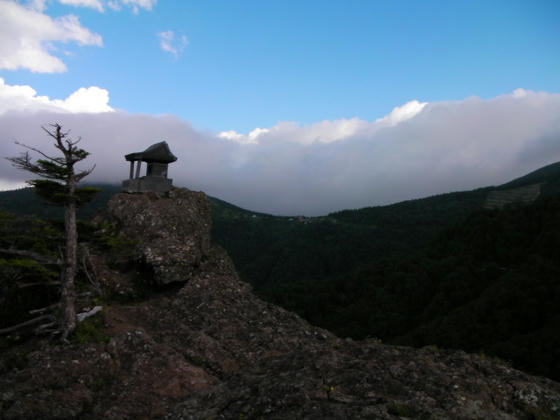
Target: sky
(289, 107)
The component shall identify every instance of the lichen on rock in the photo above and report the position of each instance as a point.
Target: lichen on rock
(171, 231)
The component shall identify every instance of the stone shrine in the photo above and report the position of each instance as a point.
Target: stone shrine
(157, 157)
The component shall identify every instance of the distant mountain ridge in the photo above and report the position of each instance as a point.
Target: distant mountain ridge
(526, 189)
(22, 201)
(417, 272)
(208, 348)
(548, 175)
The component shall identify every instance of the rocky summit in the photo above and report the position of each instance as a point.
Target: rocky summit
(199, 345)
(170, 236)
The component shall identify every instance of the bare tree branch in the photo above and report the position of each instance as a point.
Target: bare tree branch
(84, 173)
(93, 278)
(83, 315)
(58, 133)
(45, 309)
(33, 321)
(38, 283)
(45, 328)
(38, 151)
(25, 162)
(43, 259)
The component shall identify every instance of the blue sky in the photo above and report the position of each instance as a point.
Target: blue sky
(253, 63)
(326, 67)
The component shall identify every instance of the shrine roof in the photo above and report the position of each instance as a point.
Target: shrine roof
(158, 152)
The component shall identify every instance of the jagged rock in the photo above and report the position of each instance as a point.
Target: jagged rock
(171, 231)
(113, 283)
(213, 350)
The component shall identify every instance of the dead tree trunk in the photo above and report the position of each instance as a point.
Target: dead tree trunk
(60, 187)
(68, 292)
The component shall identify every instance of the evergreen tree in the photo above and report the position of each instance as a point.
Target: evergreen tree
(60, 187)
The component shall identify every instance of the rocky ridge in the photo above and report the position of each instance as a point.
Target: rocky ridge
(210, 349)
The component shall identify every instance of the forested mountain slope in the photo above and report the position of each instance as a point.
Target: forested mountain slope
(439, 270)
(179, 336)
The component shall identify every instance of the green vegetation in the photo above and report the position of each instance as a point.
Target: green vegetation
(24, 202)
(434, 271)
(494, 287)
(25, 283)
(58, 184)
(91, 330)
(30, 265)
(399, 409)
(438, 271)
(548, 175)
(272, 252)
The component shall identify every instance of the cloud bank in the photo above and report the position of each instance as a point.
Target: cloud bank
(417, 150)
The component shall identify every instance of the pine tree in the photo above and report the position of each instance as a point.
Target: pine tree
(60, 187)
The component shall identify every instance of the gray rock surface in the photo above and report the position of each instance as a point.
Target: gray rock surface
(213, 350)
(171, 231)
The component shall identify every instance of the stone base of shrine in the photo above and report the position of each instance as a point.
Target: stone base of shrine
(147, 184)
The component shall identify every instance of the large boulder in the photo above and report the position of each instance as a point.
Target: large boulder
(170, 233)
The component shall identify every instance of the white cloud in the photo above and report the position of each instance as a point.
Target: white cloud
(174, 45)
(251, 138)
(136, 5)
(87, 100)
(520, 93)
(27, 36)
(403, 113)
(12, 185)
(38, 5)
(317, 168)
(93, 4)
(326, 131)
(24, 98)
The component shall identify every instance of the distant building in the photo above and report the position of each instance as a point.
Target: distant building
(157, 157)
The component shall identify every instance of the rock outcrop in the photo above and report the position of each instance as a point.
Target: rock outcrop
(171, 233)
(213, 350)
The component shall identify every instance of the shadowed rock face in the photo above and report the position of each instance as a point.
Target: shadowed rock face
(171, 231)
(212, 350)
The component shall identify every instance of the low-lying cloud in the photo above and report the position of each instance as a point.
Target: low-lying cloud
(417, 150)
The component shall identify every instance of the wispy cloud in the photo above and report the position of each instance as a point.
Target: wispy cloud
(171, 43)
(136, 5)
(93, 4)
